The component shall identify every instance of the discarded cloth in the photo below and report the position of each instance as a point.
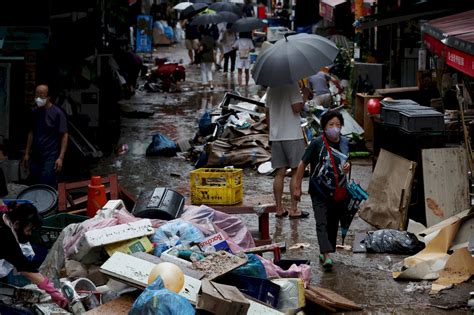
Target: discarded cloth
(273, 271)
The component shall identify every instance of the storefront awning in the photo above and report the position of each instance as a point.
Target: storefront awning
(327, 7)
(452, 37)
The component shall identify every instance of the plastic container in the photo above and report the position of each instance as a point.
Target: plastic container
(96, 197)
(261, 289)
(421, 121)
(43, 197)
(160, 203)
(216, 186)
(52, 227)
(391, 114)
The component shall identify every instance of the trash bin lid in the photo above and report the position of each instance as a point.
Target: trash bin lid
(43, 197)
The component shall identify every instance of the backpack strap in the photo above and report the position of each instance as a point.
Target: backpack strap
(336, 175)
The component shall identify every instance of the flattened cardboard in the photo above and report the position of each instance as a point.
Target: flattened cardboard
(458, 268)
(221, 299)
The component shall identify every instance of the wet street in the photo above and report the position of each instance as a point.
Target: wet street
(364, 278)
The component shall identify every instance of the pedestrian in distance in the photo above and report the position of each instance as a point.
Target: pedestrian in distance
(328, 156)
(283, 106)
(244, 46)
(207, 52)
(319, 84)
(47, 140)
(17, 223)
(191, 41)
(227, 39)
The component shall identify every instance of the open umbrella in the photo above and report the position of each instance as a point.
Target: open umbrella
(292, 58)
(208, 18)
(357, 195)
(181, 6)
(247, 24)
(193, 10)
(229, 17)
(203, 1)
(226, 7)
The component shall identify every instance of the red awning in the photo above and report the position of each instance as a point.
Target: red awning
(452, 37)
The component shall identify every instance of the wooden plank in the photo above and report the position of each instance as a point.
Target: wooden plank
(446, 184)
(156, 260)
(265, 248)
(338, 300)
(393, 174)
(119, 306)
(313, 297)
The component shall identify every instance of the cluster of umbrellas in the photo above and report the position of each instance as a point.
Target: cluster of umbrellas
(218, 12)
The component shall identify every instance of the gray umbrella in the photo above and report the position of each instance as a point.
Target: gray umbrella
(229, 17)
(208, 18)
(226, 7)
(293, 58)
(247, 24)
(193, 10)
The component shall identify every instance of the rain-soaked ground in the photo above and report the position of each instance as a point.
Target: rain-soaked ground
(364, 278)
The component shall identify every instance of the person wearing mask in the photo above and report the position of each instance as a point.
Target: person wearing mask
(16, 226)
(283, 107)
(47, 140)
(319, 84)
(328, 155)
(244, 46)
(207, 53)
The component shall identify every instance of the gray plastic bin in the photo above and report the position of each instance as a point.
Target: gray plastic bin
(421, 121)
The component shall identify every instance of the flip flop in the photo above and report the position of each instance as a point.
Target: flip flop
(321, 258)
(302, 215)
(284, 214)
(328, 264)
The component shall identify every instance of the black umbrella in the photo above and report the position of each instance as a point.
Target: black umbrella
(203, 1)
(208, 18)
(247, 24)
(193, 10)
(226, 7)
(229, 17)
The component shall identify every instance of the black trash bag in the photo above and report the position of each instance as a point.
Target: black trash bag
(161, 146)
(392, 241)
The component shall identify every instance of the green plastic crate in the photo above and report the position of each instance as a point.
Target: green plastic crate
(52, 227)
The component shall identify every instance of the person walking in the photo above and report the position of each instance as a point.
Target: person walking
(47, 140)
(283, 107)
(17, 223)
(244, 45)
(319, 84)
(227, 39)
(328, 155)
(191, 41)
(207, 52)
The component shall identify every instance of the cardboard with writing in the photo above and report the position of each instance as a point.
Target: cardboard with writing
(221, 299)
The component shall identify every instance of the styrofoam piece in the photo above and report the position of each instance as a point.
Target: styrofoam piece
(112, 234)
(168, 257)
(136, 271)
(108, 209)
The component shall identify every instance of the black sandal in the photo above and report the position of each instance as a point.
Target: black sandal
(284, 214)
(302, 215)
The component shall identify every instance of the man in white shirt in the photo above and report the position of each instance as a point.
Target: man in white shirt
(283, 107)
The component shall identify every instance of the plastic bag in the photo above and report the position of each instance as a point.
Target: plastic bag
(205, 124)
(392, 241)
(174, 232)
(253, 268)
(156, 300)
(161, 146)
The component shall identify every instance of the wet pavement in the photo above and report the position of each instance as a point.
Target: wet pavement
(364, 278)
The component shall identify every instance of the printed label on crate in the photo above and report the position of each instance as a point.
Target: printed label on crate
(217, 241)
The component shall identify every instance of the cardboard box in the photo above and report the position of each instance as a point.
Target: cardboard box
(141, 244)
(217, 241)
(221, 299)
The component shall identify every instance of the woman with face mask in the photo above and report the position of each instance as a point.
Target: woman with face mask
(328, 155)
(17, 223)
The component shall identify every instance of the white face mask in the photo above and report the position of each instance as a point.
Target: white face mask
(40, 102)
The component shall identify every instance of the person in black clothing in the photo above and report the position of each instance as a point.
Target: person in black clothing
(248, 10)
(191, 40)
(16, 226)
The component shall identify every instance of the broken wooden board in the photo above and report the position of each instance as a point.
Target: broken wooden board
(156, 260)
(132, 270)
(318, 300)
(446, 184)
(218, 264)
(389, 192)
(337, 300)
(265, 248)
(119, 306)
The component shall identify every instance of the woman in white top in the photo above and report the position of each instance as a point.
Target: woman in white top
(244, 46)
